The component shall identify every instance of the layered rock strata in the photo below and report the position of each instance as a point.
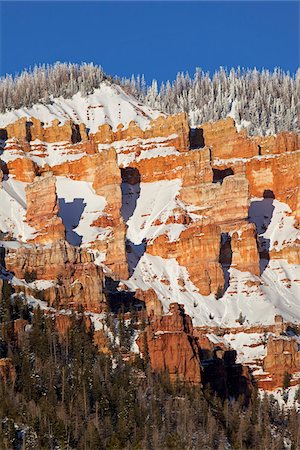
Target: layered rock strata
(42, 210)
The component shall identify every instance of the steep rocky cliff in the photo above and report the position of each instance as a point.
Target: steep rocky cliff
(102, 197)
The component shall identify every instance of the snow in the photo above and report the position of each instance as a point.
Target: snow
(43, 153)
(138, 149)
(108, 104)
(147, 208)
(13, 210)
(285, 397)
(79, 206)
(98, 320)
(234, 114)
(55, 153)
(233, 161)
(124, 159)
(258, 303)
(274, 223)
(250, 347)
(146, 203)
(35, 303)
(32, 301)
(42, 284)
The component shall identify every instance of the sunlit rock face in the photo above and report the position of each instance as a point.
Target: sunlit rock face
(42, 210)
(105, 191)
(171, 346)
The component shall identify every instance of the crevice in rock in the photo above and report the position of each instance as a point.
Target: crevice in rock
(3, 134)
(3, 165)
(131, 189)
(134, 253)
(260, 213)
(28, 131)
(196, 138)
(76, 136)
(219, 175)
(225, 258)
(120, 300)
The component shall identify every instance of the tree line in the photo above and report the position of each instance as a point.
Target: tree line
(263, 101)
(67, 395)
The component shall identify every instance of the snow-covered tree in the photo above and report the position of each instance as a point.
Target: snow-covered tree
(269, 102)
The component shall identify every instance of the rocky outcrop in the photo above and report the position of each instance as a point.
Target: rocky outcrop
(277, 174)
(198, 250)
(283, 357)
(270, 173)
(18, 130)
(42, 210)
(245, 256)
(102, 342)
(172, 347)
(280, 143)
(175, 126)
(152, 303)
(224, 375)
(225, 142)
(223, 203)
(7, 370)
(102, 171)
(77, 280)
(63, 323)
(27, 130)
(218, 171)
(57, 132)
(193, 167)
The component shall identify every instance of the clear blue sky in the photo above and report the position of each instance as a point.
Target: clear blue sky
(155, 38)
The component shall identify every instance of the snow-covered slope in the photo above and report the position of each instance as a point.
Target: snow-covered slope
(79, 206)
(108, 104)
(256, 300)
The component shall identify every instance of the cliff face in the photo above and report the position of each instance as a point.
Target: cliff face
(245, 256)
(42, 210)
(282, 358)
(76, 278)
(198, 250)
(208, 219)
(171, 346)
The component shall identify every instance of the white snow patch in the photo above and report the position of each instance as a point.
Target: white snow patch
(250, 347)
(274, 222)
(41, 284)
(79, 206)
(13, 210)
(285, 397)
(153, 202)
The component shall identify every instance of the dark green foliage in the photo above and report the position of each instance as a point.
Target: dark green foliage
(68, 396)
(29, 277)
(286, 380)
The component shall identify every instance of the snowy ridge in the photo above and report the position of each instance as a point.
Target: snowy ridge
(108, 104)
